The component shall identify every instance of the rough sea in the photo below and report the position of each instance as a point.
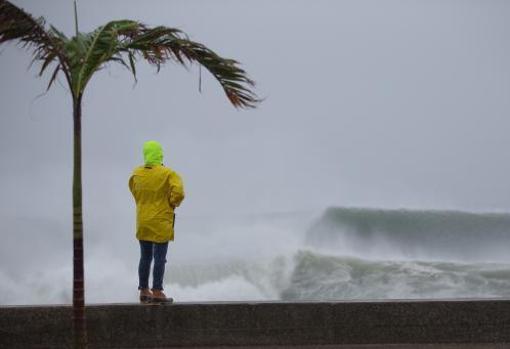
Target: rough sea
(338, 254)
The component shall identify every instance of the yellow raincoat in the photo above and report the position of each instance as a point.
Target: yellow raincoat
(157, 191)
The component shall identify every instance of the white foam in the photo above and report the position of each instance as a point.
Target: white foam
(232, 288)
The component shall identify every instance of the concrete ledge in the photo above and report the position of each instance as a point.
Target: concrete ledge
(262, 324)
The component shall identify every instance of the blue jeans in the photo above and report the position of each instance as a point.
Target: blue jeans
(148, 251)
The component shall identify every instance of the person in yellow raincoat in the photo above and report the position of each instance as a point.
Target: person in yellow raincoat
(157, 191)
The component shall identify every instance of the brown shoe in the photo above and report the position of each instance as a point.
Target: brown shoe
(145, 296)
(159, 297)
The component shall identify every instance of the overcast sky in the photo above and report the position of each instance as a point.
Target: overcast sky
(367, 103)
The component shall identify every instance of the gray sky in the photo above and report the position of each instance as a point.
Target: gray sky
(368, 103)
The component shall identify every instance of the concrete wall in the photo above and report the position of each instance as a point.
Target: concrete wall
(267, 323)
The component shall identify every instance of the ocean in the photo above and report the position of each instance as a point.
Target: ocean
(338, 254)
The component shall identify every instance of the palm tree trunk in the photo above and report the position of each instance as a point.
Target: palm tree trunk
(80, 330)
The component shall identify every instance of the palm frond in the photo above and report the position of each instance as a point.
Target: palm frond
(161, 44)
(89, 52)
(46, 45)
(117, 39)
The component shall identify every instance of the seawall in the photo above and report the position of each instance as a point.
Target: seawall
(261, 323)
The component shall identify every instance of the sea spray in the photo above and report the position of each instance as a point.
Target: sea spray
(233, 280)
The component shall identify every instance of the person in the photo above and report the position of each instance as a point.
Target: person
(157, 191)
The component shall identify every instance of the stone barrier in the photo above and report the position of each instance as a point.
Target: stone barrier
(261, 323)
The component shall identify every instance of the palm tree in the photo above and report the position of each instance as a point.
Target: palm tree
(79, 57)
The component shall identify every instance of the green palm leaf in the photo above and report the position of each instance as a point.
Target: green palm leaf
(46, 45)
(89, 52)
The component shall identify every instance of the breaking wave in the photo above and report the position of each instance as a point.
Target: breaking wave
(397, 234)
(322, 277)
